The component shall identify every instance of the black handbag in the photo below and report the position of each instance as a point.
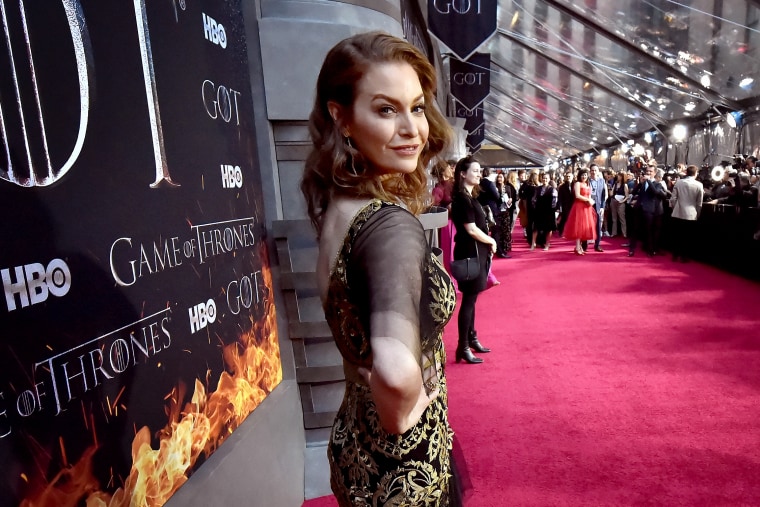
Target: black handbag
(464, 270)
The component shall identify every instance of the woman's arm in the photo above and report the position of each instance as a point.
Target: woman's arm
(474, 231)
(577, 192)
(388, 292)
(396, 384)
(437, 195)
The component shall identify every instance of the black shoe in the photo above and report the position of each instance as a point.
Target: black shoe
(466, 355)
(598, 249)
(625, 245)
(684, 260)
(477, 347)
(630, 254)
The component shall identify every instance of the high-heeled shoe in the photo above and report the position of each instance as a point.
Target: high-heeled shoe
(466, 354)
(476, 345)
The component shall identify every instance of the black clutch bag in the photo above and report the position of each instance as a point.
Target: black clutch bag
(464, 270)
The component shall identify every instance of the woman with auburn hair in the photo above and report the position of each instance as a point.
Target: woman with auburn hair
(375, 128)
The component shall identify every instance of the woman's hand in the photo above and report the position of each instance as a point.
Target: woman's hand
(591, 202)
(493, 246)
(395, 380)
(423, 400)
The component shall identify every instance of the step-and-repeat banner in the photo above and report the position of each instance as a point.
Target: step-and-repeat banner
(137, 327)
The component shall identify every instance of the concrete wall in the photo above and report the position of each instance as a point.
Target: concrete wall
(294, 36)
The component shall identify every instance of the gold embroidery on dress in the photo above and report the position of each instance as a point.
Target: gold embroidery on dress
(370, 467)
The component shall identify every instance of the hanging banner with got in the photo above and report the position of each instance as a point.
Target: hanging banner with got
(471, 79)
(474, 125)
(462, 25)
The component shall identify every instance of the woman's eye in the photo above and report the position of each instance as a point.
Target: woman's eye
(419, 109)
(387, 110)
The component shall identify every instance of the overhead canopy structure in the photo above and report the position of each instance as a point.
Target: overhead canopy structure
(569, 77)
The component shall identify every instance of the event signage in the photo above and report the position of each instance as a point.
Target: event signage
(474, 125)
(471, 80)
(415, 28)
(137, 326)
(462, 25)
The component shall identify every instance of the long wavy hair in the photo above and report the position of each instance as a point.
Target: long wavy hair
(334, 166)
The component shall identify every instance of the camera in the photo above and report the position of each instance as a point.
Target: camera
(738, 161)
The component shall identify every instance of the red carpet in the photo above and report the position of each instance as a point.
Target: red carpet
(613, 381)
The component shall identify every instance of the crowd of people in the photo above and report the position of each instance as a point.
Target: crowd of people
(375, 134)
(586, 204)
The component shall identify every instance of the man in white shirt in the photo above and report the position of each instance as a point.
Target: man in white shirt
(686, 201)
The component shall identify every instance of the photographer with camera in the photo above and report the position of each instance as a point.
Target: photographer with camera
(647, 203)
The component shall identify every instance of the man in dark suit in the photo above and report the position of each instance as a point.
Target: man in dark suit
(648, 197)
(599, 195)
(489, 196)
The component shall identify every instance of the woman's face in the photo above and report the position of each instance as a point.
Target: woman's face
(448, 173)
(583, 177)
(500, 179)
(472, 175)
(387, 122)
(545, 179)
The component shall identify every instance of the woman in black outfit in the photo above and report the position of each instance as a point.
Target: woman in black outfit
(544, 205)
(507, 198)
(527, 189)
(471, 240)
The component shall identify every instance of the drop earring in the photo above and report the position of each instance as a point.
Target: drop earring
(350, 154)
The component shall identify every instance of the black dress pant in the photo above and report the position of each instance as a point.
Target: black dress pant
(684, 233)
(466, 319)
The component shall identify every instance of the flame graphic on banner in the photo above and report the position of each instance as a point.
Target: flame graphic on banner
(253, 371)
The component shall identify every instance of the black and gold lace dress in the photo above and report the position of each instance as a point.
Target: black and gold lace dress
(386, 278)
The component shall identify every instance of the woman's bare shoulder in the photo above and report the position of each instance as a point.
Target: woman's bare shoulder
(335, 224)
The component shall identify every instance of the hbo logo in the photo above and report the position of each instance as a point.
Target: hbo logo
(214, 31)
(34, 283)
(232, 176)
(201, 315)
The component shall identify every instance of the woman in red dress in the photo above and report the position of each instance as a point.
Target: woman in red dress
(581, 223)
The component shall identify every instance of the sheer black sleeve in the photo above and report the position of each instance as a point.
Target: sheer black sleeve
(386, 271)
